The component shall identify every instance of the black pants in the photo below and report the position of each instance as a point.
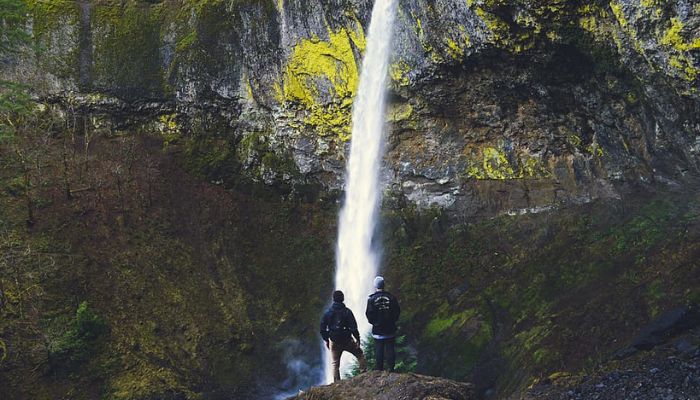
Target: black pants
(380, 345)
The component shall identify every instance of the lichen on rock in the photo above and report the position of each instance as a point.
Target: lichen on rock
(321, 76)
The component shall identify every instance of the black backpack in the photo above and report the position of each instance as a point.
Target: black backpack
(338, 329)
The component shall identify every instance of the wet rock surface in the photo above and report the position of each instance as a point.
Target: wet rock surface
(391, 386)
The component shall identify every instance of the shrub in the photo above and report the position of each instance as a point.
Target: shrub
(70, 340)
(405, 356)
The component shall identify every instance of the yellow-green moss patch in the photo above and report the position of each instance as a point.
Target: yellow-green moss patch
(316, 64)
(399, 73)
(675, 39)
(493, 164)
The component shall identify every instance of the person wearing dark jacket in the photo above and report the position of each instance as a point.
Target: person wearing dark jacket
(382, 312)
(338, 327)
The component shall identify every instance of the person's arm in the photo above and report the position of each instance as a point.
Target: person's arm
(352, 324)
(324, 328)
(370, 312)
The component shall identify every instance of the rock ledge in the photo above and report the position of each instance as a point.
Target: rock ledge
(391, 386)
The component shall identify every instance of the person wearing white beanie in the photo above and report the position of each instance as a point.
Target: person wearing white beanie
(382, 312)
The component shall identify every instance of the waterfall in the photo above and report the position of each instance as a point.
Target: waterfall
(356, 260)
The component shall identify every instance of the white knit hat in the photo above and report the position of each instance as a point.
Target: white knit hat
(379, 282)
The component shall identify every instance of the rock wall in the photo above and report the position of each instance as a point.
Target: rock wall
(498, 106)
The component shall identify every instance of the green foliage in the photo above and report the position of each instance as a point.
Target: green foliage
(13, 96)
(14, 101)
(406, 360)
(70, 340)
(12, 18)
(693, 296)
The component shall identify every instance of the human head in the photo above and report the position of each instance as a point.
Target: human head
(338, 296)
(379, 282)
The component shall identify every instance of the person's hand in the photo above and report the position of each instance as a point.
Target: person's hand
(328, 345)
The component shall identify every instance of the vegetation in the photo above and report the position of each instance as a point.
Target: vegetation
(12, 19)
(405, 355)
(534, 291)
(71, 340)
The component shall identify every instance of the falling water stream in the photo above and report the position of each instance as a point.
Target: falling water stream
(356, 259)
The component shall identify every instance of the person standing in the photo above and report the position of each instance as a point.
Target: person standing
(338, 327)
(382, 312)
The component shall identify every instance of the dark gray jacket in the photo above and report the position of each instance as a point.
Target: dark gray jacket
(382, 312)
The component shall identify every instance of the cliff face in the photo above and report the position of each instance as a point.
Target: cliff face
(550, 102)
(201, 146)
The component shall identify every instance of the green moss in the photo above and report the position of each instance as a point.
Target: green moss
(400, 112)
(681, 62)
(331, 120)
(399, 73)
(418, 25)
(50, 15)
(186, 42)
(531, 338)
(533, 23)
(127, 58)
(533, 167)
(261, 161)
(315, 63)
(454, 50)
(458, 43)
(440, 324)
(594, 149)
(462, 334)
(673, 38)
(619, 14)
(52, 21)
(169, 128)
(495, 165)
(592, 18)
(652, 3)
(210, 157)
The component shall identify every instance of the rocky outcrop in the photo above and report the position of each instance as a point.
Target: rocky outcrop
(669, 372)
(391, 386)
(498, 106)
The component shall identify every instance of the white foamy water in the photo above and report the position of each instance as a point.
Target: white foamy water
(356, 260)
